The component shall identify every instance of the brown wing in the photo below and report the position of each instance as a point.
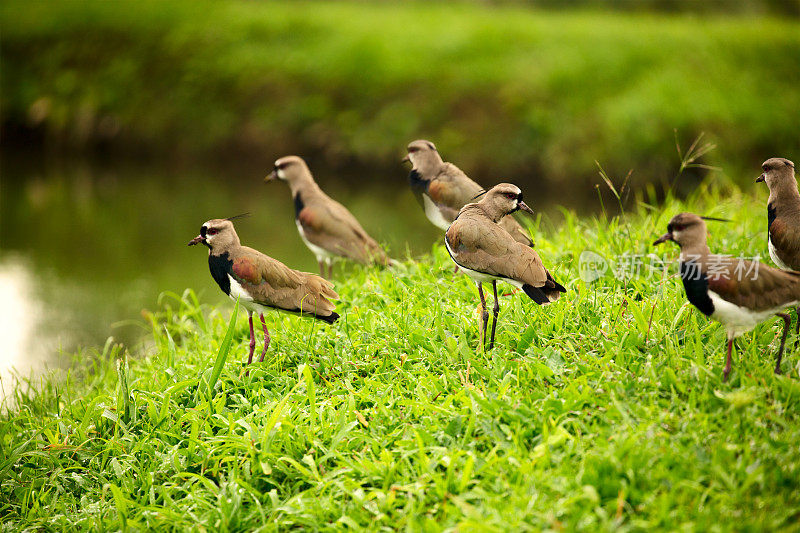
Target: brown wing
(510, 224)
(329, 225)
(452, 188)
(750, 283)
(479, 244)
(786, 240)
(275, 285)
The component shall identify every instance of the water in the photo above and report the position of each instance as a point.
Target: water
(85, 247)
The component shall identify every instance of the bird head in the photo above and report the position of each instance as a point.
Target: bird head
(422, 154)
(218, 234)
(777, 171)
(288, 168)
(685, 229)
(504, 198)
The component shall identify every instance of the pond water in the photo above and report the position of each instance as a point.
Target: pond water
(85, 247)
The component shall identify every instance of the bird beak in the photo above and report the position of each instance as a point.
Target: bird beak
(197, 239)
(760, 178)
(523, 206)
(270, 177)
(406, 159)
(664, 238)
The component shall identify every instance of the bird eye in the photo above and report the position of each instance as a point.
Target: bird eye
(679, 227)
(211, 231)
(511, 195)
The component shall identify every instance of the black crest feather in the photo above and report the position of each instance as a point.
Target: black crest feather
(242, 215)
(479, 194)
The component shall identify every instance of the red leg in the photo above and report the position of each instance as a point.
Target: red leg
(266, 339)
(330, 269)
(252, 338)
(321, 269)
(727, 362)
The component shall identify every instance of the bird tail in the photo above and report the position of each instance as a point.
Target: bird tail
(536, 294)
(330, 319)
(552, 288)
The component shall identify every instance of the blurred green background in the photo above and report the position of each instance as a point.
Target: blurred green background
(125, 125)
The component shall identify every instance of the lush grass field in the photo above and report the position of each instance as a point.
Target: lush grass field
(605, 410)
(503, 90)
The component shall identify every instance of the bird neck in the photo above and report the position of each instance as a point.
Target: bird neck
(695, 252)
(429, 167)
(229, 248)
(304, 185)
(784, 194)
(494, 213)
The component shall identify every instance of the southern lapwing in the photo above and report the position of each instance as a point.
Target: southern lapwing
(783, 216)
(783, 212)
(261, 282)
(737, 293)
(326, 226)
(443, 189)
(487, 252)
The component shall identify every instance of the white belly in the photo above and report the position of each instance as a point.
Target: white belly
(738, 320)
(321, 253)
(773, 253)
(433, 213)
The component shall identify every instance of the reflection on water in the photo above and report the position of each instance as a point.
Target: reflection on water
(84, 248)
(19, 322)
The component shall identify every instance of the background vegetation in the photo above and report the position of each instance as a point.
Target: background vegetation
(602, 411)
(605, 410)
(504, 90)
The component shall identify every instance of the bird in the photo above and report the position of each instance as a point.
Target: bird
(327, 228)
(737, 293)
(783, 215)
(260, 282)
(442, 189)
(485, 252)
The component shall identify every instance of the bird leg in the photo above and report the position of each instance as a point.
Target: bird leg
(321, 268)
(787, 323)
(797, 328)
(484, 312)
(330, 269)
(495, 312)
(727, 362)
(252, 338)
(266, 338)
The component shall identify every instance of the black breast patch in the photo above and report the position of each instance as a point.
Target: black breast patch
(418, 185)
(771, 214)
(298, 205)
(221, 266)
(695, 283)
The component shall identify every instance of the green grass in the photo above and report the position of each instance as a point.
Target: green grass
(503, 90)
(605, 410)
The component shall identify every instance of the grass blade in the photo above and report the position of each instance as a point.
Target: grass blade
(222, 355)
